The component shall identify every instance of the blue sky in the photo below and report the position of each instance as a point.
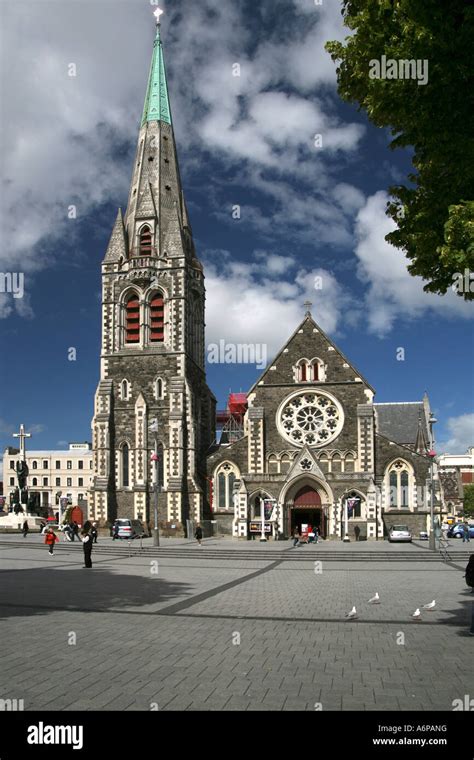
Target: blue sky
(306, 211)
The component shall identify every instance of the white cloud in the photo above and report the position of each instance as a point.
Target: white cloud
(268, 309)
(62, 134)
(461, 435)
(392, 292)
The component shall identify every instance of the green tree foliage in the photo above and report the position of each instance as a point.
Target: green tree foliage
(434, 210)
(468, 505)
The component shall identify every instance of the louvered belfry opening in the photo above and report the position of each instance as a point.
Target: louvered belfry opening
(145, 241)
(157, 318)
(132, 320)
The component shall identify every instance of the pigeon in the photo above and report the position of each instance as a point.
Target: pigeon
(430, 606)
(417, 614)
(375, 599)
(352, 614)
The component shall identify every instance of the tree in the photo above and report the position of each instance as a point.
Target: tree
(468, 503)
(434, 211)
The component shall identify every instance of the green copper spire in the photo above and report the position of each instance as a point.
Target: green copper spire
(157, 105)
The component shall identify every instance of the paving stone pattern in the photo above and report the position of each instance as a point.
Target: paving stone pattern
(210, 634)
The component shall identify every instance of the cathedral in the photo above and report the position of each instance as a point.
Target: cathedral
(309, 445)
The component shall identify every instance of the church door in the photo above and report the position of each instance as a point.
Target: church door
(306, 510)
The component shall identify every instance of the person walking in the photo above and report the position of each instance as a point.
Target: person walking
(469, 575)
(75, 530)
(296, 536)
(25, 528)
(466, 536)
(94, 532)
(87, 546)
(116, 531)
(198, 534)
(50, 539)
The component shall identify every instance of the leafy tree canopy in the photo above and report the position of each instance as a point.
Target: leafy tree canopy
(434, 211)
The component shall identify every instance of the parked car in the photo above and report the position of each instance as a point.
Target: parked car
(399, 533)
(457, 531)
(423, 535)
(129, 528)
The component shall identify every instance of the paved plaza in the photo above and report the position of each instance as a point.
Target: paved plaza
(178, 630)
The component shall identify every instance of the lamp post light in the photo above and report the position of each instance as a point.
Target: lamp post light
(346, 521)
(432, 543)
(156, 486)
(262, 514)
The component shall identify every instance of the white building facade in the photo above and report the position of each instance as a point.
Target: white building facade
(52, 474)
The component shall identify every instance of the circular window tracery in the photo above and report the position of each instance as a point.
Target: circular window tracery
(311, 419)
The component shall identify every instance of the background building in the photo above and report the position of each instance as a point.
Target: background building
(455, 472)
(52, 474)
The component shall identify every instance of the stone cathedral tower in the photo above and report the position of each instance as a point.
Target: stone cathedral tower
(152, 363)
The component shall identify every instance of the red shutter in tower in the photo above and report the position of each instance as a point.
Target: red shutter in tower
(157, 319)
(145, 241)
(132, 320)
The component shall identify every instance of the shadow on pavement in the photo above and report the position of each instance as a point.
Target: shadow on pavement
(34, 591)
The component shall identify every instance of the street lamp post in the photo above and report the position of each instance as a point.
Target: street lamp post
(154, 458)
(432, 543)
(262, 513)
(431, 453)
(346, 521)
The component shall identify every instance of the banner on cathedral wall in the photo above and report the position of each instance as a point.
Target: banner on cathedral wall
(268, 507)
(351, 505)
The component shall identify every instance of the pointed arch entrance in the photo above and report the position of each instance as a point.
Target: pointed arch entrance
(306, 509)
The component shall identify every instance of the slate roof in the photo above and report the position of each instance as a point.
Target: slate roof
(399, 421)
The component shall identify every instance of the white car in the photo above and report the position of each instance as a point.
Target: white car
(399, 533)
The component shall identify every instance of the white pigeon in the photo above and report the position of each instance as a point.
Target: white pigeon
(375, 599)
(430, 606)
(417, 614)
(352, 614)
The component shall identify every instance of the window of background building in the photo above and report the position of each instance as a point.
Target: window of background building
(12, 465)
(80, 482)
(45, 481)
(45, 464)
(58, 481)
(58, 464)
(35, 465)
(69, 464)
(80, 464)
(12, 481)
(69, 482)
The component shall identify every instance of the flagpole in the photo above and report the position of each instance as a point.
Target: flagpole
(346, 521)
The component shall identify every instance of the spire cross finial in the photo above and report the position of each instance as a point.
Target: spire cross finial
(308, 305)
(157, 15)
(22, 435)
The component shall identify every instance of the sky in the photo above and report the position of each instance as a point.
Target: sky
(312, 209)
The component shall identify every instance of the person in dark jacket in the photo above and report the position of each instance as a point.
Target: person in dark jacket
(87, 546)
(116, 531)
(26, 528)
(94, 533)
(75, 529)
(469, 576)
(198, 534)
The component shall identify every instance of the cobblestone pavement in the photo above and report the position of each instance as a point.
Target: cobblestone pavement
(212, 634)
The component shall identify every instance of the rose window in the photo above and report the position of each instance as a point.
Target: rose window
(310, 419)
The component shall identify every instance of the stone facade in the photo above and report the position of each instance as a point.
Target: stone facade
(311, 443)
(152, 357)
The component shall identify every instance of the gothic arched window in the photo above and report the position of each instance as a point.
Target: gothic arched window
(159, 389)
(125, 465)
(146, 240)
(132, 319)
(224, 486)
(125, 390)
(157, 318)
(398, 479)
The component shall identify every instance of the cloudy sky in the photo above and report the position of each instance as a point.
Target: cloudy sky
(312, 209)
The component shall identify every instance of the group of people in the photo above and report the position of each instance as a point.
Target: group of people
(88, 536)
(311, 536)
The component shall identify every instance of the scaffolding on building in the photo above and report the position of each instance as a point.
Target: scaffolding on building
(230, 421)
